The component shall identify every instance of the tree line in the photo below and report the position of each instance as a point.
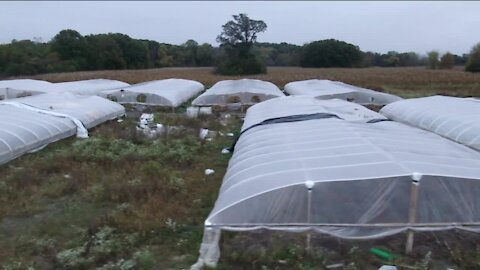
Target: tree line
(70, 51)
(238, 53)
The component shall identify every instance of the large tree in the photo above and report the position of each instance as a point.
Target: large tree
(241, 32)
(237, 39)
(71, 47)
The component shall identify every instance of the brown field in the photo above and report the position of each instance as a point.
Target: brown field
(405, 82)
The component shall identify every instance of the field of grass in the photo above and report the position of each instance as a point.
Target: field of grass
(405, 82)
(121, 201)
(116, 200)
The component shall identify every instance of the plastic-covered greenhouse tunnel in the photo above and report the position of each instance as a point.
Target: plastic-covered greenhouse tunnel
(454, 118)
(22, 87)
(244, 92)
(10, 89)
(342, 170)
(86, 87)
(30, 123)
(326, 89)
(165, 93)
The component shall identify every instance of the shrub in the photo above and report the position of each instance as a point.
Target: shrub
(330, 53)
(473, 63)
(182, 151)
(95, 149)
(432, 60)
(145, 259)
(447, 61)
(241, 66)
(73, 258)
(152, 168)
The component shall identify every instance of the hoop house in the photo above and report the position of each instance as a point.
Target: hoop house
(23, 131)
(86, 87)
(454, 118)
(90, 110)
(169, 92)
(22, 87)
(244, 91)
(326, 89)
(337, 168)
(28, 124)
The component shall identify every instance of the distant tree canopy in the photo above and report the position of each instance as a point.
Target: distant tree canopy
(473, 63)
(239, 53)
(391, 59)
(236, 40)
(330, 53)
(278, 54)
(447, 61)
(433, 61)
(71, 47)
(70, 51)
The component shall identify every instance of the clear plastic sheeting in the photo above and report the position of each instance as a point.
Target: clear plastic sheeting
(326, 89)
(90, 110)
(344, 176)
(454, 118)
(23, 131)
(86, 87)
(209, 249)
(302, 105)
(82, 132)
(27, 124)
(28, 87)
(169, 92)
(22, 87)
(244, 91)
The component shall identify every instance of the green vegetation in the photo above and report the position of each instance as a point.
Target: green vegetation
(392, 59)
(236, 42)
(447, 61)
(119, 200)
(278, 54)
(330, 53)
(70, 51)
(238, 53)
(114, 201)
(433, 60)
(473, 64)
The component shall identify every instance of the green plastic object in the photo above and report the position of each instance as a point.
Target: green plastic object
(383, 254)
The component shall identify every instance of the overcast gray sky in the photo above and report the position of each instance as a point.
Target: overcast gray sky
(373, 26)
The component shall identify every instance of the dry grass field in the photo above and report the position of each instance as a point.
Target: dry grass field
(405, 82)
